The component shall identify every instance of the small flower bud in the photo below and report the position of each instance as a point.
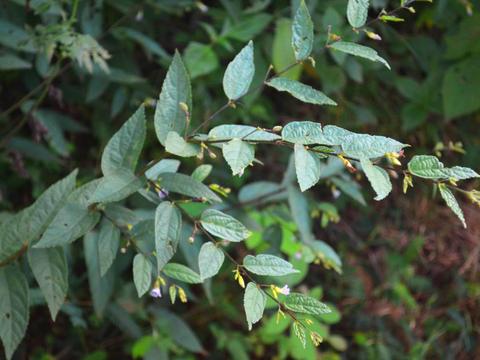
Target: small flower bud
(184, 107)
(372, 35)
(172, 290)
(277, 128)
(182, 295)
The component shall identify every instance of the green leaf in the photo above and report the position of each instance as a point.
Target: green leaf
(282, 52)
(147, 42)
(268, 265)
(163, 166)
(426, 166)
(301, 91)
(182, 273)
(49, 266)
(350, 188)
(124, 148)
(175, 144)
(305, 304)
(378, 178)
(28, 225)
(244, 132)
(327, 255)
(302, 33)
(307, 167)
(108, 244)
(254, 302)
(361, 145)
(224, 226)
(14, 301)
(12, 62)
(303, 132)
(359, 50)
(239, 73)
(200, 59)
(452, 203)
(101, 287)
(186, 185)
(176, 89)
(202, 172)
(73, 220)
(299, 332)
(249, 27)
(210, 260)
(168, 225)
(144, 234)
(15, 37)
(357, 12)
(142, 274)
(261, 191)
(179, 331)
(429, 167)
(116, 186)
(300, 212)
(238, 154)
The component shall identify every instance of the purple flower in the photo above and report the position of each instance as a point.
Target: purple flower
(285, 290)
(155, 292)
(162, 193)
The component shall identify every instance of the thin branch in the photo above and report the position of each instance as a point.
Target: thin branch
(231, 103)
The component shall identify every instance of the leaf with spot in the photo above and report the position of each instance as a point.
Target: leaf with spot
(29, 224)
(176, 89)
(302, 33)
(49, 266)
(14, 302)
(73, 220)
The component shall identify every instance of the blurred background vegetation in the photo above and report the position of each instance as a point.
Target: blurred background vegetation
(410, 286)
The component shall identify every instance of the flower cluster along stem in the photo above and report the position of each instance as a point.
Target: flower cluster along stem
(388, 13)
(241, 267)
